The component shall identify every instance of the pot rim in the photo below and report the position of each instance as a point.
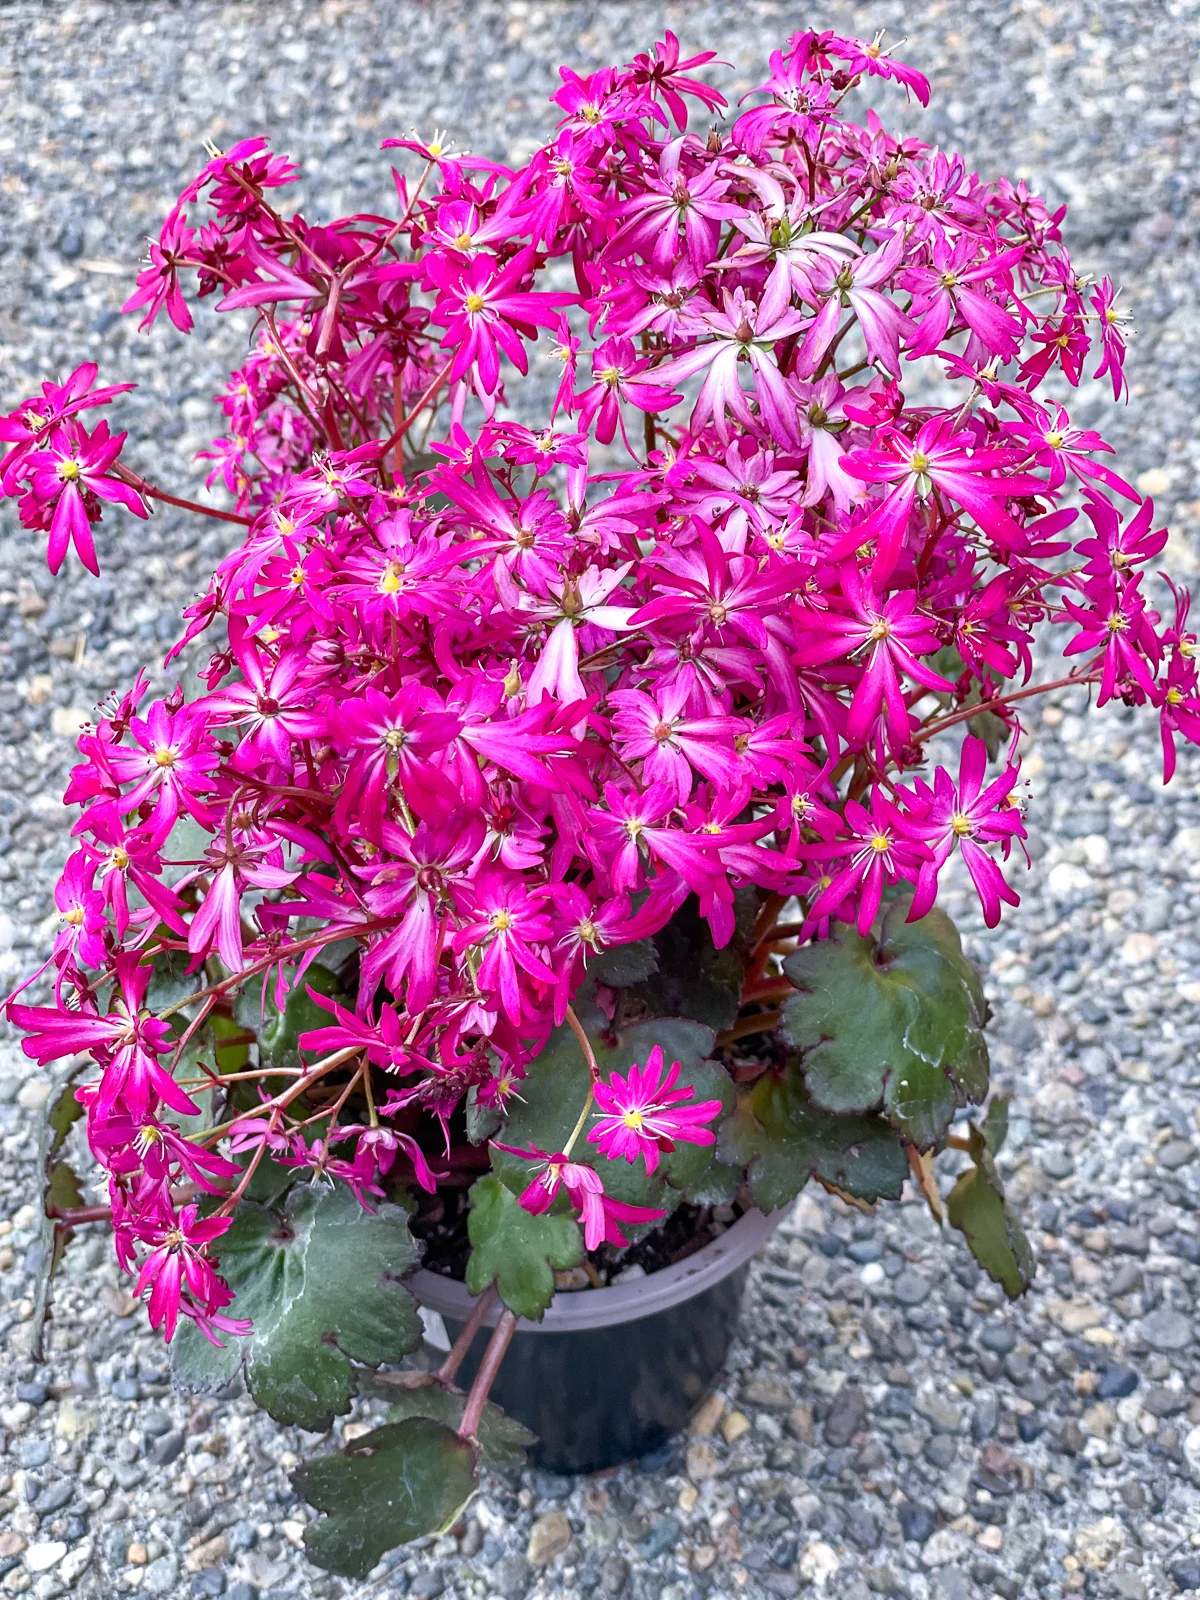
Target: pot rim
(617, 1303)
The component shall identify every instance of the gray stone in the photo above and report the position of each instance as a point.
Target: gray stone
(167, 1448)
(614, 1575)
(998, 1337)
(911, 1288)
(162, 1575)
(1176, 1153)
(1056, 1162)
(916, 1522)
(511, 1577)
(1124, 1585)
(1116, 1382)
(428, 1584)
(940, 1412)
(951, 1583)
(985, 1414)
(661, 1538)
(1166, 1331)
(1024, 1538)
(847, 1416)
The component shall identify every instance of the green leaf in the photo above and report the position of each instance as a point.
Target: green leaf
(892, 1022)
(394, 1484)
(554, 1093)
(482, 1121)
(783, 1141)
(320, 1281)
(172, 983)
(61, 1118)
(502, 1440)
(995, 1123)
(279, 1031)
(519, 1251)
(624, 964)
(694, 979)
(977, 1207)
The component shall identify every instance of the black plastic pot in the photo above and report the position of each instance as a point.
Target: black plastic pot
(611, 1374)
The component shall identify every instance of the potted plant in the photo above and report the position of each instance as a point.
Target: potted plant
(538, 888)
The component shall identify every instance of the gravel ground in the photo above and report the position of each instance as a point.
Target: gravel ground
(887, 1425)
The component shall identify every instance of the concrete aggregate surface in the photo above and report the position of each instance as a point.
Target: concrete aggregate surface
(887, 1425)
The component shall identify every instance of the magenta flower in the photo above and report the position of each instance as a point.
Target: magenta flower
(1118, 627)
(942, 458)
(881, 851)
(126, 1040)
(485, 310)
(644, 1114)
(1112, 337)
(178, 1263)
(892, 636)
(68, 480)
(600, 1214)
(743, 331)
(966, 817)
(678, 212)
(171, 767)
(35, 419)
(158, 284)
(621, 376)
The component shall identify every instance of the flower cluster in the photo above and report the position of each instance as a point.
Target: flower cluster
(488, 698)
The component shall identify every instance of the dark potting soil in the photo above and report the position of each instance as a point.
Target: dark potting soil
(441, 1224)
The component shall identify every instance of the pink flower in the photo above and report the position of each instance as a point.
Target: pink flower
(485, 311)
(966, 816)
(600, 1214)
(68, 479)
(644, 1114)
(179, 1262)
(158, 284)
(940, 457)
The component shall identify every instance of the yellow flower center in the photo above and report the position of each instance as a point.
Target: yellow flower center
(74, 916)
(69, 470)
(881, 628)
(881, 842)
(1117, 622)
(391, 578)
(462, 241)
(475, 302)
(633, 1119)
(1174, 697)
(918, 461)
(501, 921)
(960, 822)
(164, 756)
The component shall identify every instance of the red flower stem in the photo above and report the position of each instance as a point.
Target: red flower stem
(458, 1350)
(412, 416)
(1090, 674)
(492, 1357)
(136, 481)
(585, 1045)
(332, 435)
(195, 1023)
(761, 1022)
(293, 949)
(76, 1216)
(244, 1181)
(282, 1100)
